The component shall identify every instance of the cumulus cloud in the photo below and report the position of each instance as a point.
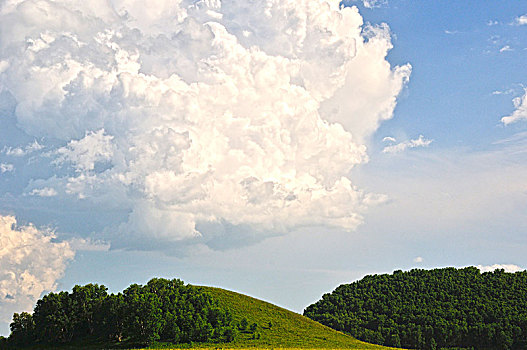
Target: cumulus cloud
(520, 112)
(84, 154)
(506, 267)
(374, 3)
(521, 20)
(418, 260)
(22, 151)
(506, 48)
(421, 141)
(43, 192)
(204, 119)
(31, 262)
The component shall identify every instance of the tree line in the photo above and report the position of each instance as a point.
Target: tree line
(162, 310)
(431, 309)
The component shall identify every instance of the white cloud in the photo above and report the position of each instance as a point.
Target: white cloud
(521, 20)
(400, 147)
(492, 23)
(451, 32)
(6, 167)
(418, 259)
(85, 153)
(31, 264)
(389, 139)
(506, 267)
(372, 84)
(3, 66)
(43, 192)
(22, 151)
(16, 152)
(204, 119)
(374, 3)
(503, 92)
(506, 48)
(520, 112)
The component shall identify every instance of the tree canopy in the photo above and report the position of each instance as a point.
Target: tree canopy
(429, 309)
(161, 310)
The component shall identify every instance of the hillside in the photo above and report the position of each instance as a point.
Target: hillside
(429, 309)
(287, 329)
(166, 314)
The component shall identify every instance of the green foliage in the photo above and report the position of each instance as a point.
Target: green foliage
(167, 314)
(162, 310)
(22, 330)
(441, 308)
(243, 324)
(87, 302)
(54, 318)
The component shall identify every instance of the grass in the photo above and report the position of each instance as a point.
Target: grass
(278, 328)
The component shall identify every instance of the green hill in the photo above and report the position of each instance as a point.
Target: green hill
(166, 314)
(278, 327)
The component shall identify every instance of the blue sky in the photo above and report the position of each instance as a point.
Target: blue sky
(454, 48)
(204, 141)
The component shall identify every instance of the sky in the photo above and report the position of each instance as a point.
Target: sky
(272, 147)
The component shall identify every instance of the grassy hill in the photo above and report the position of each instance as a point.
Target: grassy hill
(58, 320)
(278, 327)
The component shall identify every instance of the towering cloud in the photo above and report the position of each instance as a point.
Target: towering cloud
(31, 263)
(219, 122)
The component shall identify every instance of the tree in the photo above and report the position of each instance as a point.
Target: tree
(395, 340)
(166, 310)
(110, 318)
(243, 324)
(22, 329)
(3, 343)
(86, 305)
(449, 307)
(52, 317)
(143, 316)
(433, 344)
(229, 334)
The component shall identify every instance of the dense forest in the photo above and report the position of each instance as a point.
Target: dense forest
(429, 309)
(161, 310)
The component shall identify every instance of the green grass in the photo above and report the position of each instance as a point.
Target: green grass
(288, 329)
